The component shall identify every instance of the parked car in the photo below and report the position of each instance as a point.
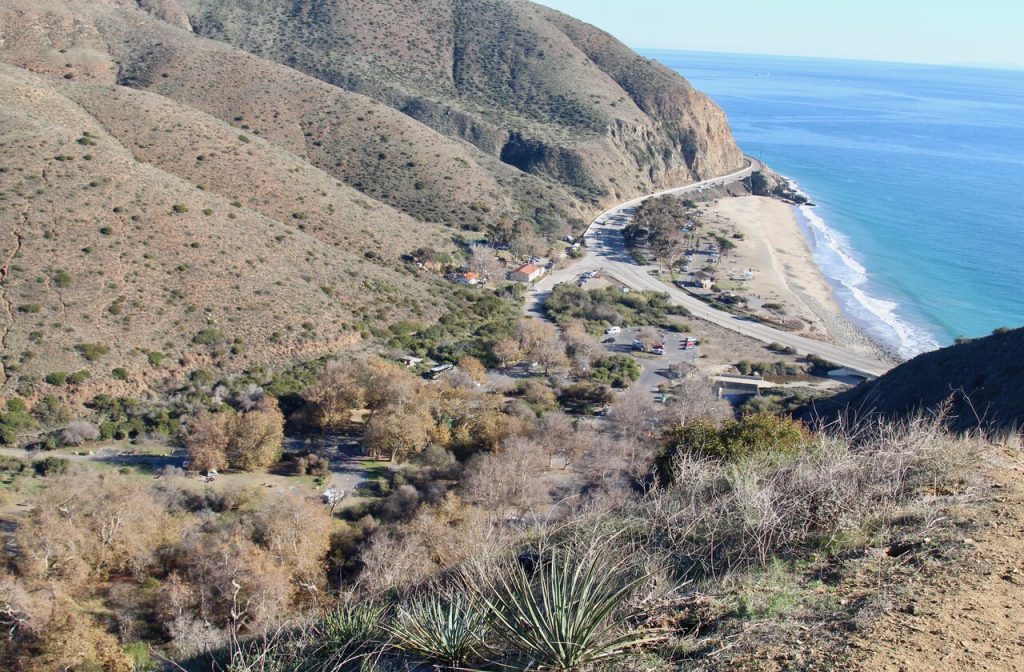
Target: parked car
(613, 330)
(639, 345)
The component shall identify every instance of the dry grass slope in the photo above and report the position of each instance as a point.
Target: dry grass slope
(110, 250)
(263, 185)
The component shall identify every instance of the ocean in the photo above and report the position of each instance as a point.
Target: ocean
(918, 176)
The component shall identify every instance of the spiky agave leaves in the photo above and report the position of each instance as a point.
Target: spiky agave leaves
(351, 634)
(568, 613)
(444, 628)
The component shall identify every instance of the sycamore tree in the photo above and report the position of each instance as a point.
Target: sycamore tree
(485, 262)
(541, 343)
(243, 440)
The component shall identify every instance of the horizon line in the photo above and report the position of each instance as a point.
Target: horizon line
(1013, 67)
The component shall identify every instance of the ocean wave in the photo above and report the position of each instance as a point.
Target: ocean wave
(879, 317)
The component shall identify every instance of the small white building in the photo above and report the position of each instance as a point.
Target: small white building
(703, 279)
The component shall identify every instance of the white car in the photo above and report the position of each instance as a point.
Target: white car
(613, 330)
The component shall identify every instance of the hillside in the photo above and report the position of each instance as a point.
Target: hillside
(535, 88)
(981, 379)
(261, 170)
(105, 248)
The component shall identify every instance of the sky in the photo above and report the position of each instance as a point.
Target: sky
(946, 32)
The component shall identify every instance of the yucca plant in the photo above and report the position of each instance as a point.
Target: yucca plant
(569, 613)
(352, 631)
(440, 628)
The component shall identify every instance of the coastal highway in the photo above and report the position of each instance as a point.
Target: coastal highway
(606, 250)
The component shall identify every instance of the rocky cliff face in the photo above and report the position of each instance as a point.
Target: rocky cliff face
(537, 89)
(767, 183)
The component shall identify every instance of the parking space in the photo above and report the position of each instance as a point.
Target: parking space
(676, 348)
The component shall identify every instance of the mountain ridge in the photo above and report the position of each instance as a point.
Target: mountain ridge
(310, 196)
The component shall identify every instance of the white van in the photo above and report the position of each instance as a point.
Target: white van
(613, 330)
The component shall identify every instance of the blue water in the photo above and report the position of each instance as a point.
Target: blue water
(918, 172)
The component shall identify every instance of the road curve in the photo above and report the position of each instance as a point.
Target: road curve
(607, 250)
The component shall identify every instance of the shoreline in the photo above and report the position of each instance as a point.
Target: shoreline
(771, 240)
(877, 317)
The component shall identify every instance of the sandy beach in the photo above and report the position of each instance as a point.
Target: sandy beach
(771, 244)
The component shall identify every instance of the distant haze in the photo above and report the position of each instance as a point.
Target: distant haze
(954, 32)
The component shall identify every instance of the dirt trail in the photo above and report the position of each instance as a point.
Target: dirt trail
(971, 616)
(5, 301)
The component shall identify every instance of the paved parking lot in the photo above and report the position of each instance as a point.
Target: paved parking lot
(656, 367)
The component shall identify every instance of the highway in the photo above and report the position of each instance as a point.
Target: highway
(606, 250)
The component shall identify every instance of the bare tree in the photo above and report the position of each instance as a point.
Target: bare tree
(335, 393)
(297, 532)
(78, 432)
(525, 242)
(485, 262)
(634, 414)
(554, 431)
(207, 441)
(508, 352)
(541, 343)
(250, 397)
(397, 432)
(580, 346)
(506, 481)
(255, 438)
(649, 336)
(473, 368)
(90, 524)
(694, 398)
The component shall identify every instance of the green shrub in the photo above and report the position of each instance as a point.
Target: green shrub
(179, 208)
(51, 466)
(208, 336)
(62, 279)
(15, 421)
(821, 364)
(616, 370)
(352, 630)
(155, 358)
(57, 377)
(782, 349)
(639, 257)
(755, 434)
(747, 367)
(92, 351)
(78, 377)
(120, 373)
(584, 398)
(30, 308)
(597, 308)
